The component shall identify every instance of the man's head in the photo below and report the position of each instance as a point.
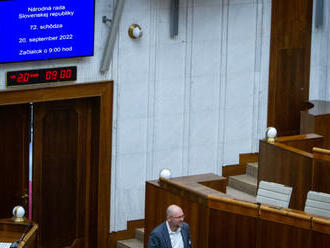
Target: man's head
(174, 217)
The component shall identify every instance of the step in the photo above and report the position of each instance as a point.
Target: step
(130, 243)
(244, 183)
(139, 234)
(252, 169)
(239, 195)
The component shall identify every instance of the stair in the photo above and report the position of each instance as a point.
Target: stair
(246, 183)
(137, 242)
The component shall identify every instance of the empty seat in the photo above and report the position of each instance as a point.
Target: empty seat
(318, 203)
(274, 194)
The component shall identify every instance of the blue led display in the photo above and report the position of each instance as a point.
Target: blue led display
(45, 29)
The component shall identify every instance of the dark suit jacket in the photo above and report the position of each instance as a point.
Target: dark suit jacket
(160, 238)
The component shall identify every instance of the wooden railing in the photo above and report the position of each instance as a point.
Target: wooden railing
(218, 220)
(292, 162)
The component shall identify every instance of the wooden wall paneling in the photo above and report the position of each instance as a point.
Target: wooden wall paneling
(272, 234)
(14, 158)
(289, 69)
(321, 175)
(322, 124)
(62, 133)
(92, 199)
(104, 163)
(230, 222)
(317, 120)
(321, 232)
(281, 228)
(103, 91)
(233, 225)
(280, 165)
(304, 142)
(196, 215)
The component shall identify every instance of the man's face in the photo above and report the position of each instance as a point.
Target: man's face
(175, 220)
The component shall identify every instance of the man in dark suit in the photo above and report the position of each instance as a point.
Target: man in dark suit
(172, 233)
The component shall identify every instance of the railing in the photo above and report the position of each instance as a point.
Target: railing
(219, 220)
(292, 162)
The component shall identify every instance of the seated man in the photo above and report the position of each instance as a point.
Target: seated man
(172, 233)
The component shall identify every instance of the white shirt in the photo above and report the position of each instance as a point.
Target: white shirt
(175, 237)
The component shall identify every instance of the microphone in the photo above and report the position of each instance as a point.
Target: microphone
(27, 229)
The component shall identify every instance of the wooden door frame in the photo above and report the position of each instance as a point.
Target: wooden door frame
(104, 91)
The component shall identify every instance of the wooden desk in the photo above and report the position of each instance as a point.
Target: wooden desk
(291, 161)
(217, 220)
(11, 231)
(317, 120)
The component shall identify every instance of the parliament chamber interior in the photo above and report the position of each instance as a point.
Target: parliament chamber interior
(113, 110)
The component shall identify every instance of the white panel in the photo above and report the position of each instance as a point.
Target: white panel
(129, 194)
(168, 158)
(163, 26)
(133, 65)
(274, 194)
(198, 3)
(239, 92)
(317, 211)
(203, 129)
(238, 123)
(232, 148)
(318, 196)
(202, 159)
(275, 187)
(206, 28)
(206, 58)
(318, 203)
(241, 22)
(168, 132)
(132, 135)
(171, 61)
(133, 102)
(204, 93)
(170, 96)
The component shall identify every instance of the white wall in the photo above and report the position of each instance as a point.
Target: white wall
(320, 58)
(192, 103)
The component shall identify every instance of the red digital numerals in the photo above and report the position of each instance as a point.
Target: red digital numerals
(62, 74)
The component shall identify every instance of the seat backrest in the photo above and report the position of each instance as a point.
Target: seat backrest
(274, 194)
(318, 203)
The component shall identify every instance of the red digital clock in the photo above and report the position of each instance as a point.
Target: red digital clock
(40, 76)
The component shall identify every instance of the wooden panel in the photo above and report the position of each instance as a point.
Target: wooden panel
(11, 232)
(321, 175)
(321, 232)
(289, 63)
(245, 158)
(272, 234)
(283, 166)
(304, 142)
(61, 171)
(14, 159)
(283, 228)
(317, 120)
(101, 139)
(218, 185)
(232, 170)
(227, 222)
(231, 230)
(158, 199)
(125, 234)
